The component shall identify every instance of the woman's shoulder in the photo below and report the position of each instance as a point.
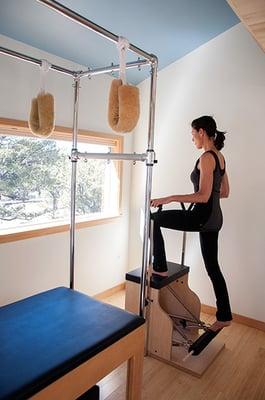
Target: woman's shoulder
(214, 156)
(208, 156)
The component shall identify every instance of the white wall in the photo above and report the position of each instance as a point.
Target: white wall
(224, 78)
(37, 264)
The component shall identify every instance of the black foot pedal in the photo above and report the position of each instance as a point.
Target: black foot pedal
(197, 347)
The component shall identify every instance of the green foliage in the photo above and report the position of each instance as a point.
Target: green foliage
(35, 180)
(90, 175)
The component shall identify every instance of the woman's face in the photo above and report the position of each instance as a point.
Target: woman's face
(197, 137)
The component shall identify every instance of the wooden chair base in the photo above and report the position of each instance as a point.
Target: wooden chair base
(174, 298)
(195, 365)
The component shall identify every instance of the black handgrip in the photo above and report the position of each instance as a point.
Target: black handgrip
(183, 206)
(160, 208)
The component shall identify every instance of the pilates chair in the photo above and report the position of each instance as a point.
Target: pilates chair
(173, 318)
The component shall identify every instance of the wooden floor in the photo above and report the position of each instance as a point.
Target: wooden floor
(237, 374)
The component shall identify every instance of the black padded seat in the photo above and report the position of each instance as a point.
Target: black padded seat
(175, 271)
(47, 335)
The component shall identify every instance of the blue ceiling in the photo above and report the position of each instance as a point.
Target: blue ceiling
(167, 28)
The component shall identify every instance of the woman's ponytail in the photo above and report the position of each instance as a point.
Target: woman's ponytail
(219, 139)
(207, 123)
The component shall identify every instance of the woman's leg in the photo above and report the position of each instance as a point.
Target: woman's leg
(181, 220)
(209, 248)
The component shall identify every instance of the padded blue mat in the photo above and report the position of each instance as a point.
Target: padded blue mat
(47, 335)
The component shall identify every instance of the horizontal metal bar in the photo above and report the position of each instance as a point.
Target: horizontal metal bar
(110, 156)
(90, 72)
(33, 60)
(67, 12)
(113, 68)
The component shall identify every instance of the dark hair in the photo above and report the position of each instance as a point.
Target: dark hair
(208, 124)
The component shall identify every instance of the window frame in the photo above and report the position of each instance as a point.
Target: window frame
(13, 127)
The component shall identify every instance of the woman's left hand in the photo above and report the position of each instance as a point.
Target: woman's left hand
(161, 201)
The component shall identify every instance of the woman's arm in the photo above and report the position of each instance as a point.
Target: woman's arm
(225, 189)
(206, 166)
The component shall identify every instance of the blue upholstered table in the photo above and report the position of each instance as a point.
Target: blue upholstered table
(58, 344)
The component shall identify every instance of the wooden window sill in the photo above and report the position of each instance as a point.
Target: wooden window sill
(12, 235)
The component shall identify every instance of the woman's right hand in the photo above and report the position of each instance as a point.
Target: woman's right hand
(160, 201)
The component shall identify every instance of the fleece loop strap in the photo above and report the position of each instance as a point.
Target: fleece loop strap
(44, 69)
(124, 107)
(41, 119)
(123, 44)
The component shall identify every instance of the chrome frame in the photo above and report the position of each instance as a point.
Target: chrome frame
(73, 183)
(112, 68)
(33, 60)
(148, 157)
(148, 188)
(75, 74)
(109, 156)
(67, 12)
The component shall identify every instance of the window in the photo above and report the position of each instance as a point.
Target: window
(35, 181)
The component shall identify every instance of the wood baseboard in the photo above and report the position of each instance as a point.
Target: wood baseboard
(241, 319)
(110, 292)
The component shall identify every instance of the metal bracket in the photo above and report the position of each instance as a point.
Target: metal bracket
(77, 79)
(89, 76)
(108, 159)
(185, 343)
(149, 300)
(150, 158)
(139, 66)
(112, 72)
(74, 155)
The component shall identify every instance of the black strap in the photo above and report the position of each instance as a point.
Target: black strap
(216, 160)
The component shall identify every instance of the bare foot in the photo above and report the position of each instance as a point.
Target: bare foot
(164, 273)
(217, 325)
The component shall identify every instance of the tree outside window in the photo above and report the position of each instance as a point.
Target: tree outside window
(35, 182)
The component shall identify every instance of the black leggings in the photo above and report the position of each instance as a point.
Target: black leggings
(191, 222)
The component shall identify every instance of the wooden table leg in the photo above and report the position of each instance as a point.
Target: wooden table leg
(135, 373)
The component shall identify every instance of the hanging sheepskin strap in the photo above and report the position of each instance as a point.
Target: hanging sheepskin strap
(41, 120)
(124, 107)
(123, 45)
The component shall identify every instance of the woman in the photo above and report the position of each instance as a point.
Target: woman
(210, 181)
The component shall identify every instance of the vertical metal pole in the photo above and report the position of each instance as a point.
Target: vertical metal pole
(184, 237)
(148, 185)
(183, 248)
(73, 183)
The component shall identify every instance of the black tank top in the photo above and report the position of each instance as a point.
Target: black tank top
(210, 213)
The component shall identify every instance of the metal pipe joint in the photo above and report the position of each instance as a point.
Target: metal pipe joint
(150, 157)
(74, 155)
(154, 60)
